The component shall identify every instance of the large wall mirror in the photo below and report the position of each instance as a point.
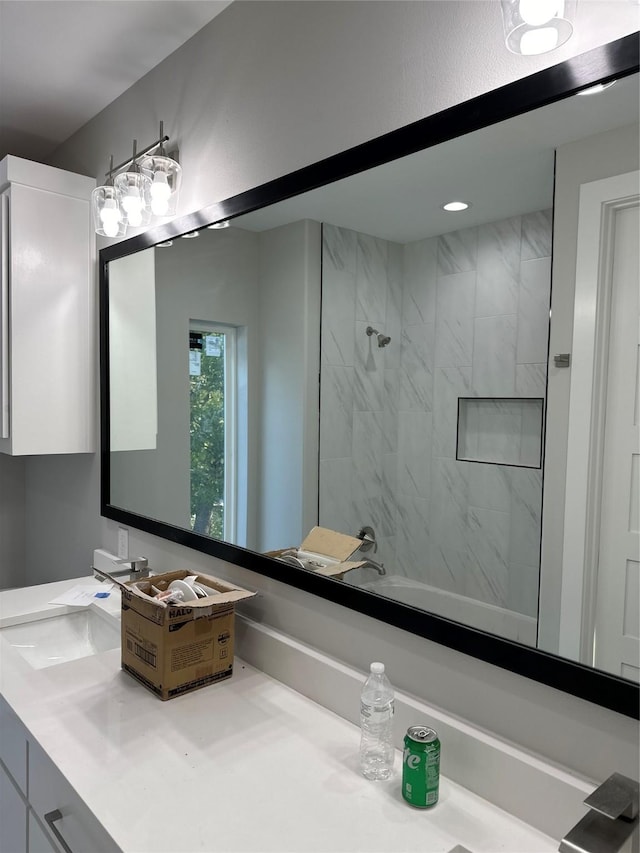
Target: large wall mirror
(337, 349)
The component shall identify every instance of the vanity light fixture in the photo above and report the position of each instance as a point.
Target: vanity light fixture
(223, 224)
(149, 187)
(453, 206)
(599, 87)
(166, 177)
(532, 27)
(134, 193)
(108, 220)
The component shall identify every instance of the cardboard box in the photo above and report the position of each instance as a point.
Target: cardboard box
(324, 552)
(174, 649)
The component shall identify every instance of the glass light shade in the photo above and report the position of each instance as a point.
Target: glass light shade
(107, 216)
(532, 27)
(134, 197)
(165, 175)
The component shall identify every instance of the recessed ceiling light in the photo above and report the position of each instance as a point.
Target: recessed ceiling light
(599, 87)
(190, 235)
(165, 244)
(223, 224)
(456, 205)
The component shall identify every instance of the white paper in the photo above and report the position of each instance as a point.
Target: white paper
(194, 363)
(83, 595)
(213, 345)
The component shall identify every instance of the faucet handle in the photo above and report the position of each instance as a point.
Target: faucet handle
(368, 536)
(616, 797)
(137, 564)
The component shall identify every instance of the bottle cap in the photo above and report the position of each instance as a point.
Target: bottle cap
(377, 668)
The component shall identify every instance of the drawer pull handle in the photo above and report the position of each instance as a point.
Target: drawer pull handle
(51, 818)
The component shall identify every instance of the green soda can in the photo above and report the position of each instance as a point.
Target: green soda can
(421, 767)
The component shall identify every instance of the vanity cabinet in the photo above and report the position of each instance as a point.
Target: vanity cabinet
(13, 782)
(32, 790)
(47, 337)
(38, 840)
(49, 791)
(13, 747)
(13, 815)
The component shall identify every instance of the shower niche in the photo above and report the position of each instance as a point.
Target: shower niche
(500, 431)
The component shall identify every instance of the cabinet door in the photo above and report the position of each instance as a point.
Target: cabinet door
(13, 816)
(38, 840)
(13, 746)
(4, 314)
(49, 791)
(51, 324)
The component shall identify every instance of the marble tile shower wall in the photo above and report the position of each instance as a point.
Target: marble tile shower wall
(468, 314)
(359, 394)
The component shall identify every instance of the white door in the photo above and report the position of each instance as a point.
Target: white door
(600, 561)
(617, 648)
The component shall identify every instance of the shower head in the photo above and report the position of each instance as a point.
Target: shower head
(383, 340)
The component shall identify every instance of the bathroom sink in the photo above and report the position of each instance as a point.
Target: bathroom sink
(58, 639)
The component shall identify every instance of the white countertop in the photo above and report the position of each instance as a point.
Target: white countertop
(244, 765)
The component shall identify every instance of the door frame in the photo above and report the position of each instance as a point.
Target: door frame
(599, 203)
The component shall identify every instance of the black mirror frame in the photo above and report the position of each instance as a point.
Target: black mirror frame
(612, 61)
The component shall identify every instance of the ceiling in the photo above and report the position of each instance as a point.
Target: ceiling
(503, 170)
(63, 61)
(51, 86)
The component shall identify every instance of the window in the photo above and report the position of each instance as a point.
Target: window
(212, 400)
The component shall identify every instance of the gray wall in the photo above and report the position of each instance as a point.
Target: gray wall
(265, 89)
(12, 521)
(286, 480)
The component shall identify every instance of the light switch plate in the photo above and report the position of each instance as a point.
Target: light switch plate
(123, 543)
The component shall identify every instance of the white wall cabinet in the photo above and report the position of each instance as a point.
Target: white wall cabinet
(47, 316)
(133, 368)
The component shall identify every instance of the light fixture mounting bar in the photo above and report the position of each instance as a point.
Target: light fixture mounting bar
(139, 154)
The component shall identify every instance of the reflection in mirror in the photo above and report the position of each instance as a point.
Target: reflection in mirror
(467, 313)
(218, 324)
(356, 357)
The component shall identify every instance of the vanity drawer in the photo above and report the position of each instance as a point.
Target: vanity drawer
(13, 745)
(49, 792)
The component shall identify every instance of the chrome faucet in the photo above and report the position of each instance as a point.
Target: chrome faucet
(610, 822)
(372, 564)
(135, 567)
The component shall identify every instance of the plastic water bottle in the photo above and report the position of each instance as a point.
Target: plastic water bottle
(376, 725)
